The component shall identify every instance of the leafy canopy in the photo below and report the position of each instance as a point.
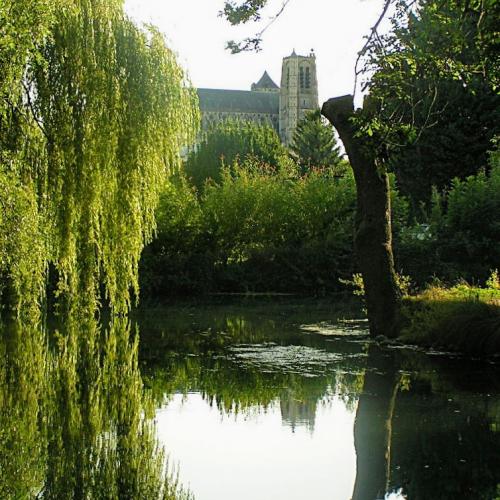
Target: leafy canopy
(435, 80)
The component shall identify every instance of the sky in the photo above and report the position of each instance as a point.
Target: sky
(333, 28)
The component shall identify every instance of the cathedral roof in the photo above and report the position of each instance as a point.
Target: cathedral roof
(265, 82)
(238, 101)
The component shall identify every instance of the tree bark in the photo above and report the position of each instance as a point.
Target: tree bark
(373, 235)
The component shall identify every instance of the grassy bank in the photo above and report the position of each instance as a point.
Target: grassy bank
(463, 318)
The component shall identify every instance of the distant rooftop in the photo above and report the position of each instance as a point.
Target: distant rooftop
(265, 83)
(242, 101)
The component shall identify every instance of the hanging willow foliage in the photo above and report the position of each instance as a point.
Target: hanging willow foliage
(24, 25)
(103, 113)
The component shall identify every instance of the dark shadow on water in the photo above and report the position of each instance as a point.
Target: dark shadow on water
(422, 428)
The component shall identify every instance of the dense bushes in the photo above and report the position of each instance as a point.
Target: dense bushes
(256, 230)
(461, 318)
(261, 230)
(460, 237)
(281, 234)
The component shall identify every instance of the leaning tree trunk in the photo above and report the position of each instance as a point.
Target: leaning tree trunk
(373, 236)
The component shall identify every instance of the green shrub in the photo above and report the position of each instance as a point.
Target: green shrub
(461, 318)
(278, 233)
(256, 230)
(470, 234)
(179, 259)
(459, 238)
(231, 141)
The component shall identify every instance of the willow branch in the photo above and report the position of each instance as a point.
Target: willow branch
(33, 112)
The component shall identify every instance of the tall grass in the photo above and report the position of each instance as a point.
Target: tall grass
(462, 318)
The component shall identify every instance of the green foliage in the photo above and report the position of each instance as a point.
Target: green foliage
(459, 238)
(22, 245)
(246, 11)
(462, 318)
(356, 283)
(231, 141)
(93, 114)
(24, 25)
(179, 259)
(493, 282)
(435, 78)
(471, 230)
(257, 230)
(358, 286)
(314, 145)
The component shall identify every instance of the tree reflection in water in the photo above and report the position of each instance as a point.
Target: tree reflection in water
(76, 422)
(420, 428)
(428, 425)
(74, 419)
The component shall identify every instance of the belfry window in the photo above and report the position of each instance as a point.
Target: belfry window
(301, 77)
(308, 78)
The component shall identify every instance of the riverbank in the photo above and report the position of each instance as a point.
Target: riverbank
(463, 318)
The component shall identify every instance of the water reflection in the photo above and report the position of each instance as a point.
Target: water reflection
(419, 427)
(253, 402)
(249, 455)
(21, 438)
(424, 426)
(74, 419)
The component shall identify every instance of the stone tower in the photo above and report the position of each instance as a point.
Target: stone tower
(298, 93)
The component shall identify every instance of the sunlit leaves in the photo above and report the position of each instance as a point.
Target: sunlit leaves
(104, 112)
(232, 140)
(248, 10)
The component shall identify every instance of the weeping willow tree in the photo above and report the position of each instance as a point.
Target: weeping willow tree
(94, 112)
(24, 26)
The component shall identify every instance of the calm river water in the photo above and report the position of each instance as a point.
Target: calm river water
(289, 401)
(257, 399)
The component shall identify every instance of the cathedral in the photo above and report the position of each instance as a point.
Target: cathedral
(281, 107)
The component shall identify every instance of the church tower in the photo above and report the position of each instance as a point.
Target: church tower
(298, 93)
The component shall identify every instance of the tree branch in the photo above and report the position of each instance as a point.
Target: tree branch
(33, 112)
(373, 33)
(234, 17)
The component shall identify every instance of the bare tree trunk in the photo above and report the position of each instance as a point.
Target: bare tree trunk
(373, 235)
